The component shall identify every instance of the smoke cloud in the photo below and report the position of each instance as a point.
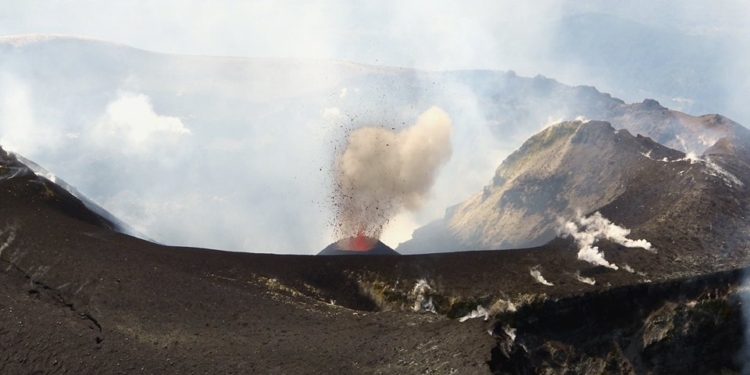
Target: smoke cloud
(20, 129)
(131, 119)
(382, 172)
(587, 230)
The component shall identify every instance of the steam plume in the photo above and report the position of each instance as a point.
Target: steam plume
(584, 279)
(480, 312)
(422, 302)
(11, 236)
(587, 230)
(382, 172)
(536, 273)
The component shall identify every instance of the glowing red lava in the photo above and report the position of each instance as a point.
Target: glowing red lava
(359, 243)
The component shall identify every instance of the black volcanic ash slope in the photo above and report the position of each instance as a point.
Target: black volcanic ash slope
(90, 300)
(77, 297)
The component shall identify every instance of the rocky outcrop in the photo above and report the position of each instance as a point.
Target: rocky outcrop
(576, 168)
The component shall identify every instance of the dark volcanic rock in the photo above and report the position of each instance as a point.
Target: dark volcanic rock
(639, 329)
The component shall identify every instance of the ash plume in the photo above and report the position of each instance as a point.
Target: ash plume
(382, 172)
(587, 230)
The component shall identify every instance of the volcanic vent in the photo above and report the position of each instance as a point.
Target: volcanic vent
(359, 245)
(381, 172)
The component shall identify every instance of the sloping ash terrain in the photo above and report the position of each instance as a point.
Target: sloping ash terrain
(78, 297)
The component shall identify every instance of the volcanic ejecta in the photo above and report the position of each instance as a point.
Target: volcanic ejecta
(381, 172)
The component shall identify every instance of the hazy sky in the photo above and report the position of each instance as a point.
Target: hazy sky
(389, 32)
(435, 35)
(425, 34)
